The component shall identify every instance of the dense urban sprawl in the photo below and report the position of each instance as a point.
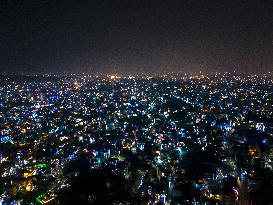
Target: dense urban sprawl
(173, 139)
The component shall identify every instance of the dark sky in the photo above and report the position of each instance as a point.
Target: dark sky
(133, 36)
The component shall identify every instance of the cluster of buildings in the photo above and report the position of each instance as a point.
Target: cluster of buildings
(173, 139)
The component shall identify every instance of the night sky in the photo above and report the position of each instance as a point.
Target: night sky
(131, 36)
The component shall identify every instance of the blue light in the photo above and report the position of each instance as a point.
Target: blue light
(264, 141)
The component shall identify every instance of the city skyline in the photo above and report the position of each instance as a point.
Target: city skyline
(136, 102)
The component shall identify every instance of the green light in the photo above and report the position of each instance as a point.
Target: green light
(39, 198)
(42, 165)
